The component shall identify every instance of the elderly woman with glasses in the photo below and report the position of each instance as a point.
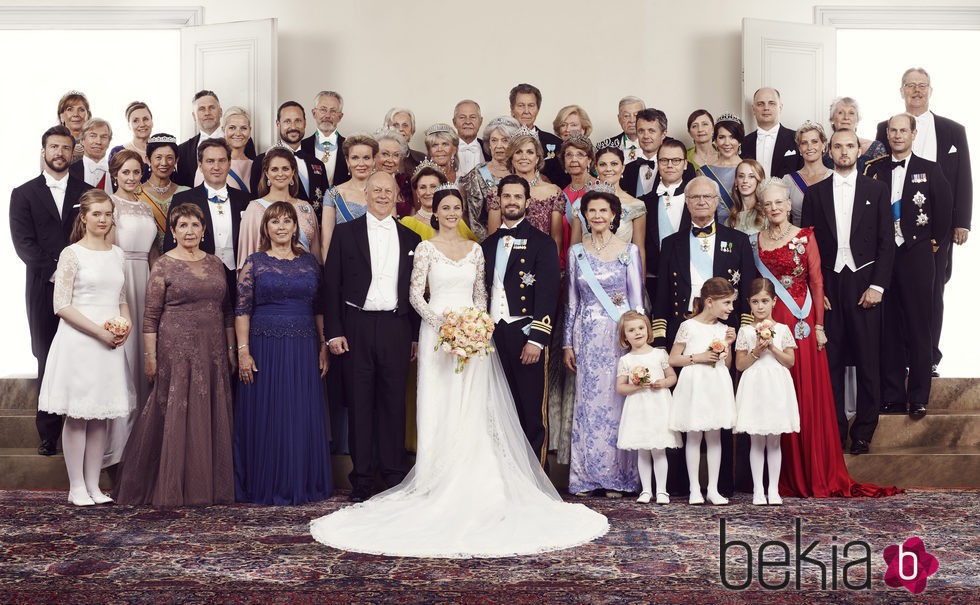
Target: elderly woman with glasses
(392, 148)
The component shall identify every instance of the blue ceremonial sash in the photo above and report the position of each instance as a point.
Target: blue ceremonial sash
(800, 183)
(238, 179)
(726, 196)
(700, 259)
(612, 310)
(487, 177)
(341, 205)
(663, 221)
(801, 330)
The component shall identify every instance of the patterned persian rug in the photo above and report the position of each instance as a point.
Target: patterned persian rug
(54, 553)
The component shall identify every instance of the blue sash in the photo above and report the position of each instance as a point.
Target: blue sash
(726, 196)
(612, 310)
(299, 230)
(341, 205)
(800, 183)
(663, 221)
(487, 177)
(241, 184)
(701, 260)
(801, 330)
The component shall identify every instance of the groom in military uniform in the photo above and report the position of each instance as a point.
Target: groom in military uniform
(522, 279)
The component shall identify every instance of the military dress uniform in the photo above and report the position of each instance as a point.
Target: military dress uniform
(523, 278)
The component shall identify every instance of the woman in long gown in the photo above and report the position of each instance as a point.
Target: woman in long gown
(136, 233)
(592, 349)
(477, 489)
(158, 190)
(179, 451)
(282, 454)
(813, 461)
(481, 182)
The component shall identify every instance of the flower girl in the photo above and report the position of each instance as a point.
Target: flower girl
(704, 399)
(766, 401)
(645, 378)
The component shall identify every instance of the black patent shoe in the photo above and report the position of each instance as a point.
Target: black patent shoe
(47, 448)
(860, 446)
(917, 411)
(893, 408)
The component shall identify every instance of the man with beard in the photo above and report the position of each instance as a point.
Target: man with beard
(522, 279)
(291, 122)
(207, 115)
(42, 212)
(326, 143)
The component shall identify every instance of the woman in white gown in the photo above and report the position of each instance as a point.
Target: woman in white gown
(477, 489)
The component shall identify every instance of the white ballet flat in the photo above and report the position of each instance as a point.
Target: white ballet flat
(775, 500)
(80, 499)
(696, 498)
(663, 498)
(717, 499)
(611, 493)
(100, 498)
(759, 499)
(645, 498)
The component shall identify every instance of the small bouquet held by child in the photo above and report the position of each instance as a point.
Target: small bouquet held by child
(765, 329)
(720, 347)
(640, 376)
(466, 334)
(117, 326)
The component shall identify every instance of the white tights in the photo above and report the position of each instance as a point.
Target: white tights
(655, 461)
(765, 448)
(692, 453)
(83, 442)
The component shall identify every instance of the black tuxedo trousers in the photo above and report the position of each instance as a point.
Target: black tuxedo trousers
(906, 338)
(527, 383)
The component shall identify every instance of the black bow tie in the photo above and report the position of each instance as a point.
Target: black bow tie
(645, 162)
(896, 164)
(703, 231)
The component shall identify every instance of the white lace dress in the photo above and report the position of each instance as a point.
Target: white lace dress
(766, 398)
(84, 378)
(477, 489)
(704, 399)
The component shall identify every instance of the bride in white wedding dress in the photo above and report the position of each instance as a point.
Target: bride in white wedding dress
(477, 489)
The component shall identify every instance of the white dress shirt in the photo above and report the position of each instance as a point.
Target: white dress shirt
(648, 174)
(217, 134)
(469, 156)
(58, 188)
(676, 208)
(499, 308)
(765, 144)
(382, 294)
(94, 171)
(221, 225)
(329, 159)
(898, 185)
(925, 144)
(697, 280)
(631, 148)
(304, 171)
(843, 209)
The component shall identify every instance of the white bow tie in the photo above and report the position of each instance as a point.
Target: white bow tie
(665, 189)
(386, 225)
(63, 185)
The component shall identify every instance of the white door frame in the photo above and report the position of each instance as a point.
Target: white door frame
(100, 17)
(898, 17)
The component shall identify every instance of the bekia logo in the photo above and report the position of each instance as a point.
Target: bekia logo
(835, 565)
(909, 565)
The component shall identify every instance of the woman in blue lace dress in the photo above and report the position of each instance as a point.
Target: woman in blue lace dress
(604, 281)
(280, 442)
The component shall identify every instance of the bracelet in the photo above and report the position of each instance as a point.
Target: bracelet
(818, 327)
(692, 359)
(752, 353)
(240, 347)
(231, 348)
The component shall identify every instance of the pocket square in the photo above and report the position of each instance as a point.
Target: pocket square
(77, 206)
(790, 152)
(867, 203)
(952, 148)
(411, 252)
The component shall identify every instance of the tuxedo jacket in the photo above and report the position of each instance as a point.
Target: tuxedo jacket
(733, 260)
(341, 174)
(347, 273)
(925, 183)
(187, 159)
(785, 157)
(39, 233)
(953, 156)
(531, 278)
(553, 168)
(631, 177)
(652, 239)
(237, 200)
(77, 170)
(314, 168)
(872, 237)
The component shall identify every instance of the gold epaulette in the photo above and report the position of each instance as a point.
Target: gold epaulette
(659, 328)
(544, 325)
(872, 161)
(746, 319)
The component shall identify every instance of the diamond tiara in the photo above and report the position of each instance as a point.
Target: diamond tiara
(601, 187)
(436, 128)
(426, 163)
(729, 117)
(162, 138)
(524, 131)
(447, 187)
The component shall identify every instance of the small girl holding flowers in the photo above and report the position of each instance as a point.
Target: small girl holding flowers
(644, 377)
(704, 399)
(766, 401)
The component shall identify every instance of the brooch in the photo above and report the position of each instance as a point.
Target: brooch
(618, 299)
(305, 208)
(736, 276)
(624, 258)
(922, 219)
(918, 199)
(528, 279)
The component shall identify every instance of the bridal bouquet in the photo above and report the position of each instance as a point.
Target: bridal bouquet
(465, 333)
(718, 346)
(640, 376)
(117, 326)
(765, 329)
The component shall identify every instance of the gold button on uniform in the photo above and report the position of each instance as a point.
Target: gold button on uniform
(522, 286)
(523, 310)
(523, 298)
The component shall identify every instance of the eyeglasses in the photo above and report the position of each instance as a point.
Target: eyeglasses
(329, 111)
(671, 161)
(700, 198)
(914, 85)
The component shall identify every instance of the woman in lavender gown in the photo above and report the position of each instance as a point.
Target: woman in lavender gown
(604, 280)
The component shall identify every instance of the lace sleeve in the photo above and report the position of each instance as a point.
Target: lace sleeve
(480, 284)
(156, 295)
(64, 279)
(815, 277)
(746, 338)
(624, 367)
(786, 340)
(416, 289)
(246, 288)
(683, 332)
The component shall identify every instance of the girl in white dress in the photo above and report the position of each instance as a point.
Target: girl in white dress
(86, 379)
(643, 425)
(766, 400)
(704, 400)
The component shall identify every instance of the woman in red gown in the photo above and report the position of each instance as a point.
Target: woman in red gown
(813, 461)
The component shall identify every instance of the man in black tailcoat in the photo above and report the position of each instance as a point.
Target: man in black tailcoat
(207, 115)
(522, 279)
(368, 319)
(771, 144)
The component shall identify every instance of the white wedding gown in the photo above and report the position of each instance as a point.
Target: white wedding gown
(477, 489)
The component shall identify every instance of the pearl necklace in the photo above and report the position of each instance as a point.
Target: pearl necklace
(423, 214)
(775, 238)
(598, 247)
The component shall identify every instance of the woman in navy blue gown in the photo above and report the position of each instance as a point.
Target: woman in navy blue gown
(281, 447)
